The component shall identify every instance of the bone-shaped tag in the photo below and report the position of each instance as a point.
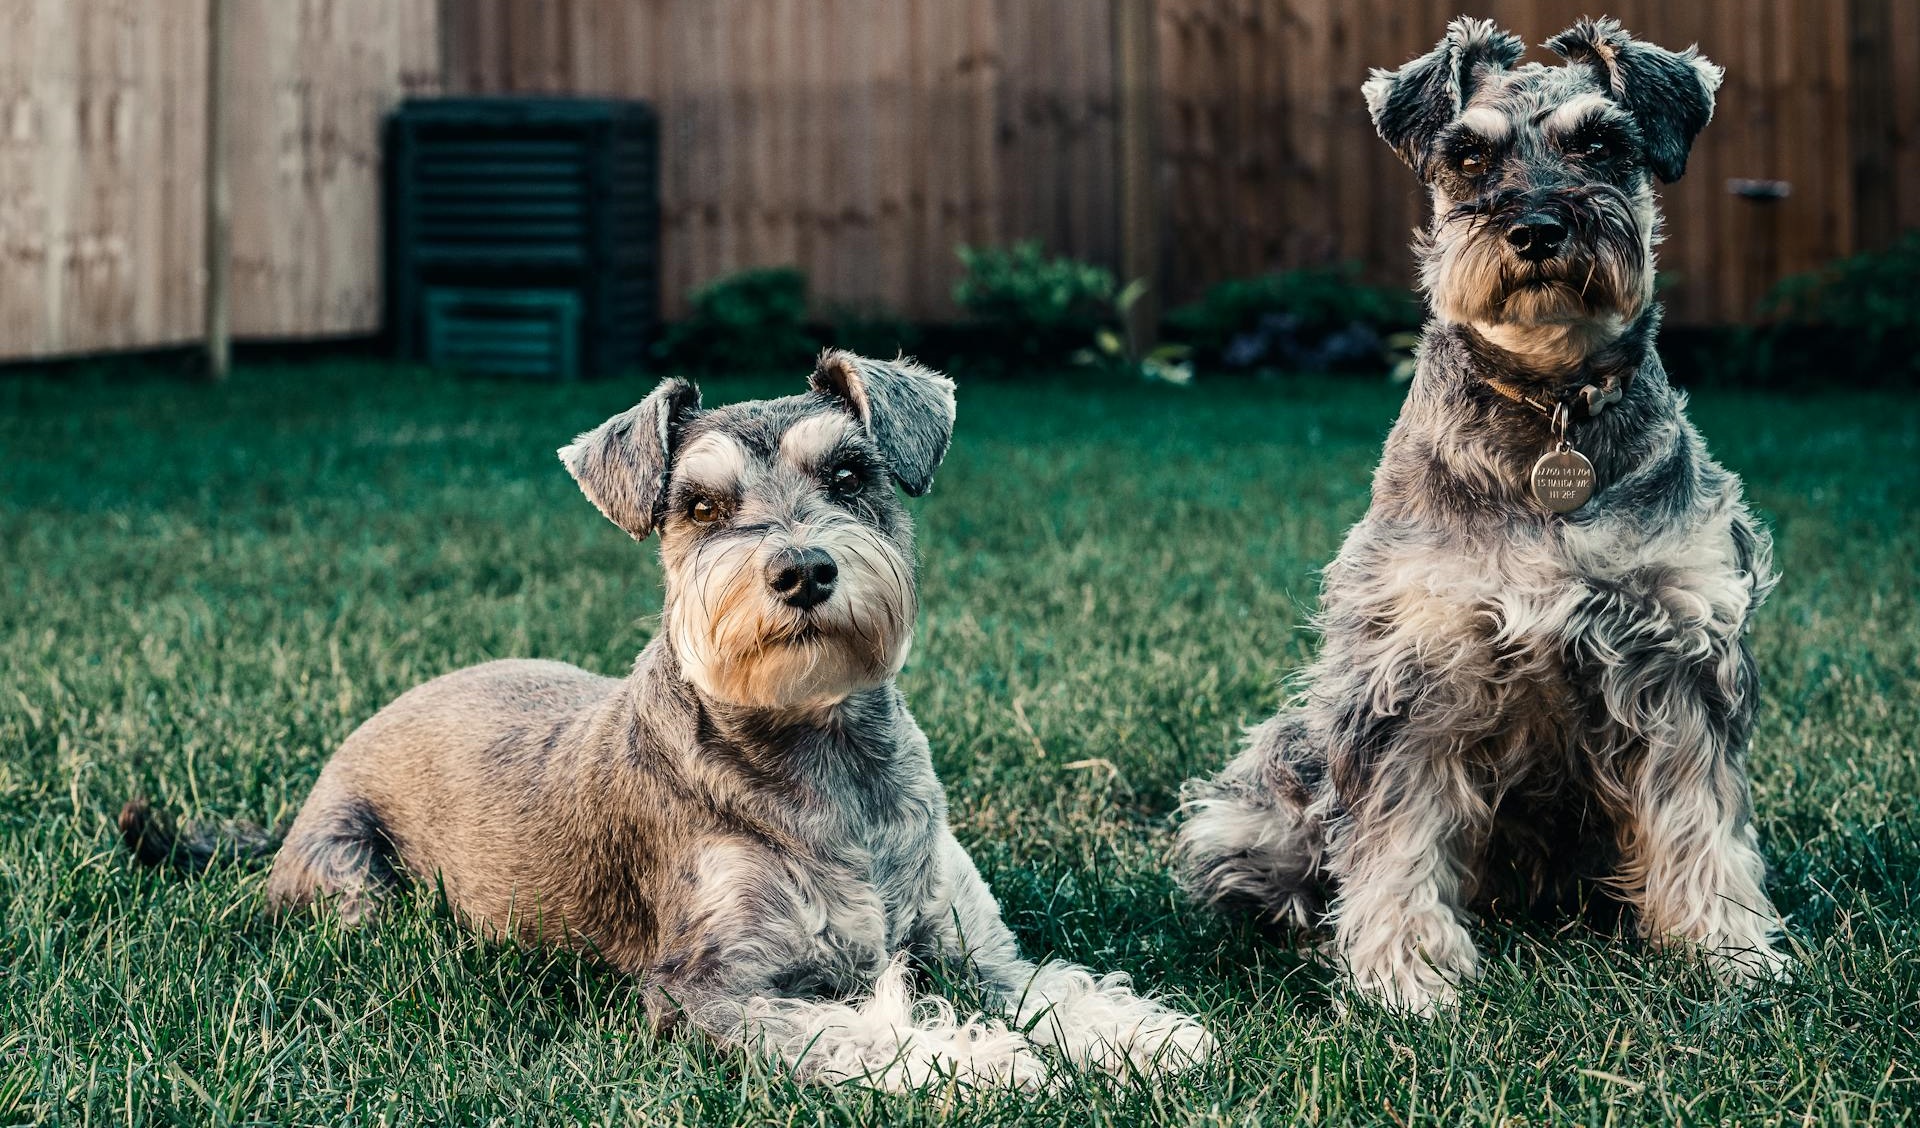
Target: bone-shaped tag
(1600, 397)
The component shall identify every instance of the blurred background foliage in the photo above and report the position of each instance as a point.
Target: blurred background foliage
(1025, 311)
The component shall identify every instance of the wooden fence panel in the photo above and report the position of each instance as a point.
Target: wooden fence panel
(311, 82)
(1058, 124)
(861, 140)
(100, 140)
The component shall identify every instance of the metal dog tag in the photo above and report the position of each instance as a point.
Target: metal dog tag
(1563, 479)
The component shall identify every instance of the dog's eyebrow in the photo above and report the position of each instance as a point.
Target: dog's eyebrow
(808, 442)
(715, 460)
(1575, 112)
(1487, 123)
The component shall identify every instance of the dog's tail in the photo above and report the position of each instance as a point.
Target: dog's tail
(157, 839)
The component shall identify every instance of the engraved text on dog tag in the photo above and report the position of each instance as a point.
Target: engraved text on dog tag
(1563, 479)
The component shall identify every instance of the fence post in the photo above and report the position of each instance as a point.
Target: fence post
(1137, 83)
(219, 205)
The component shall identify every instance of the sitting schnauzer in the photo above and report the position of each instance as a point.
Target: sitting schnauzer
(750, 819)
(1535, 668)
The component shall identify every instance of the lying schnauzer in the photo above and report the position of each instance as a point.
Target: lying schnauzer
(750, 820)
(1534, 668)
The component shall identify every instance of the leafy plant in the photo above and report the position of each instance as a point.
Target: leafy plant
(1320, 319)
(1859, 314)
(752, 321)
(1039, 309)
(1168, 363)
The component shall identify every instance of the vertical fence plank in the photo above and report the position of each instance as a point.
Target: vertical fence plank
(889, 274)
(1138, 161)
(1012, 107)
(920, 149)
(1903, 164)
(1872, 107)
(219, 196)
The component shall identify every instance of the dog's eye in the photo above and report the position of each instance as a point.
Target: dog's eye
(1591, 144)
(845, 481)
(703, 512)
(1472, 164)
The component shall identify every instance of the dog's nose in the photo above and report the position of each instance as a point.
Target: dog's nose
(802, 577)
(1537, 238)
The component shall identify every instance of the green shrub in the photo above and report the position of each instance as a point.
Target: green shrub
(1023, 305)
(1859, 317)
(1317, 319)
(753, 321)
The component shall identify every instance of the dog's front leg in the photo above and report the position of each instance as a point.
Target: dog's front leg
(793, 963)
(1399, 859)
(1094, 1020)
(1690, 859)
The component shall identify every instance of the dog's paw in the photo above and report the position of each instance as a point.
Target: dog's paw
(1100, 1022)
(1159, 1041)
(1413, 981)
(895, 1040)
(1418, 968)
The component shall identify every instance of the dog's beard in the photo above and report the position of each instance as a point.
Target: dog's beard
(739, 643)
(1605, 277)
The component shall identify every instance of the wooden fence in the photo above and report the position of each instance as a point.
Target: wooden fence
(102, 139)
(100, 131)
(862, 139)
(859, 139)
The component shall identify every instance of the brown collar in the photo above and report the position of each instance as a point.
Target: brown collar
(1595, 397)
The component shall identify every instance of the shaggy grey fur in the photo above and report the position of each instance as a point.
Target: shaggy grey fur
(1508, 702)
(750, 819)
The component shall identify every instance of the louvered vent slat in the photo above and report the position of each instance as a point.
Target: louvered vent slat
(510, 217)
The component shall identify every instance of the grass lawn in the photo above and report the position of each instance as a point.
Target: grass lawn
(204, 590)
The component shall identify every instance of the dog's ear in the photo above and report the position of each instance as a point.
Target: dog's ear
(622, 464)
(907, 409)
(1669, 94)
(1412, 105)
